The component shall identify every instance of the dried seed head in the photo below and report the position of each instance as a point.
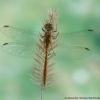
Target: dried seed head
(53, 16)
(50, 23)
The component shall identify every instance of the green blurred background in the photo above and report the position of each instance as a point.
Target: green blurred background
(77, 71)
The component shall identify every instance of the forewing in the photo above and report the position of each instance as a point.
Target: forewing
(15, 33)
(16, 41)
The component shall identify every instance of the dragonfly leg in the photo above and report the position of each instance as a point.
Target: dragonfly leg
(43, 29)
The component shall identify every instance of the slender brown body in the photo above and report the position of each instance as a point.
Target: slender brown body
(45, 69)
(48, 37)
(47, 43)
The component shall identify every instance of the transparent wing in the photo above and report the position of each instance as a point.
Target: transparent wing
(17, 49)
(20, 42)
(16, 41)
(76, 44)
(15, 33)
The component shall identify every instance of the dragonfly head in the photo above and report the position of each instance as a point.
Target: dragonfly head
(48, 26)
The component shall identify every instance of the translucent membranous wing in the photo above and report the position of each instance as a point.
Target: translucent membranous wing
(17, 49)
(15, 33)
(16, 41)
(19, 42)
(76, 44)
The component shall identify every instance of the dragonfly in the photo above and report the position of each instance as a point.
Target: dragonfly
(19, 43)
